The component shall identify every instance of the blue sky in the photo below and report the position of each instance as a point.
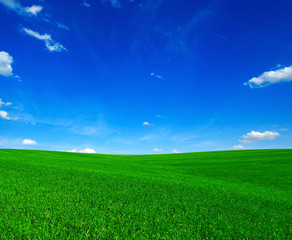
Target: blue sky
(145, 76)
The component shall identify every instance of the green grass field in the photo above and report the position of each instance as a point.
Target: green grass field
(210, 195)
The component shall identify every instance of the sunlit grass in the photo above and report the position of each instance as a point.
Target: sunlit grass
(214, 195)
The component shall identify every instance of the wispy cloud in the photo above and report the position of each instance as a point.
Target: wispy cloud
(29, 142)
(51, 45)
(157, 150)
(21, 10)
(182, 138)
(114, 3)
(156, 76)
(271, 77)
(145, 138)
(60, 25)
(254, 136)
(146, 124)
(5, 64)
(4, 103)
(85, 4)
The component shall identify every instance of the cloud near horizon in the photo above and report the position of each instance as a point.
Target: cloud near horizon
(86, 150)
(271, 77)
(29, 142)
(238, 147)
(51, 45)
(175, 151)
(157, 150)
(258, 136)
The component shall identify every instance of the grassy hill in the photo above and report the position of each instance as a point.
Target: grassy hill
(209, 195)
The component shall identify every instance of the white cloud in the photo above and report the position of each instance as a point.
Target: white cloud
(258, 136)
(157, 150)
(238, 147)
(34, 9)
(29, 142)
(86, 150)
(51, 45)
(146, 124)
(271, 77)
(4, 103)
(175, 151)
(4, 115)
(114, 3)
(5, 64)
(19, 9)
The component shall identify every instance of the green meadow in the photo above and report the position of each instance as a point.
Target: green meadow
(209, 195)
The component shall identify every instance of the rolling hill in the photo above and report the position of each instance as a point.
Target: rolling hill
(208, 195)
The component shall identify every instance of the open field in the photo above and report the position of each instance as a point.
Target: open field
(210, 195)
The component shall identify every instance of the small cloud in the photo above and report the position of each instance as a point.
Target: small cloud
(283, 130)
(146, 124)
(175, 151)
(28, 142)
(19, 9)
(156, 76)
(73, 150)
(238, 147)
(86, 150)
(60, 25)
(114, 3)
(51, 45)
(4, 115)
(157, 150)
(5, 64)
(4, 103)
(271, 77)
(86, 4)
(34, 10)
(258, 136)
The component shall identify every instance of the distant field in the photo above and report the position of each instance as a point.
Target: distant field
(210, 195)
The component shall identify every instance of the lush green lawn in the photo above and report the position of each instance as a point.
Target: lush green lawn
(211, 195)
